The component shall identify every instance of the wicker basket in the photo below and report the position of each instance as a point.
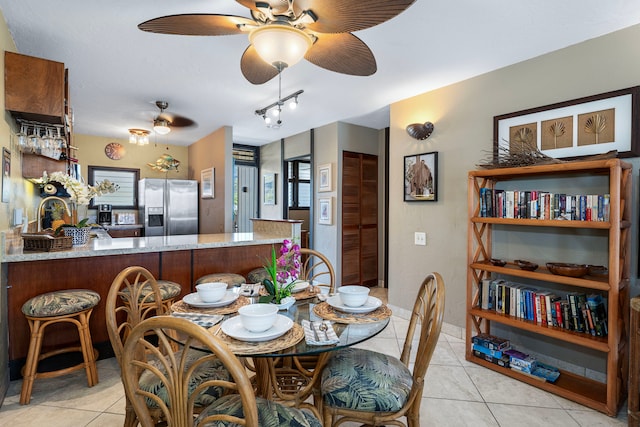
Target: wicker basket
(45, 242)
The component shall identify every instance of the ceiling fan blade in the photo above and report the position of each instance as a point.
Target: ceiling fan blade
(343, 53)
(255, 69)
(342, 16)
(176, 120)
(196, 24)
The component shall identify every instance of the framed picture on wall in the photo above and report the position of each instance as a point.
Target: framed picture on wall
(325, 216)
(269, 190)
(324, 177)
(421, 177)
(207, 183)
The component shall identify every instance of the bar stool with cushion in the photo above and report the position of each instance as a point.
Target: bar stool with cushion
(231, 279)
(71, 306)
(257, 275)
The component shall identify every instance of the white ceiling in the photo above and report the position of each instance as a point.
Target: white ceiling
(117, 71)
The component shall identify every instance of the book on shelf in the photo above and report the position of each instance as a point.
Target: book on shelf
(597, 308)
(491, 342)
(503, 361)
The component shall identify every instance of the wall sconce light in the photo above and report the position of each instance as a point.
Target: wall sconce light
(420, 131)
(139, 136)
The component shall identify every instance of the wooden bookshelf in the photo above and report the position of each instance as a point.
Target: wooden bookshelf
(603, 396)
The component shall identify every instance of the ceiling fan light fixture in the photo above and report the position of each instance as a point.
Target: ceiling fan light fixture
(161, 126)
(139, 136)
(280, 45)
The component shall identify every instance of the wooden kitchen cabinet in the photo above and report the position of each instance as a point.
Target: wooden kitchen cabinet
(35, 88)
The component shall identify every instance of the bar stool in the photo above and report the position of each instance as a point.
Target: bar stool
(257, 275)
(72, 306)
(231, 279)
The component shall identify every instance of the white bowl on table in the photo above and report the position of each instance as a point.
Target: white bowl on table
(258, 317)
(353, 296)
(211, 291)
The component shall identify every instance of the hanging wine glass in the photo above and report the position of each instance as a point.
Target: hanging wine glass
(22, 138)
(47, 143)
(60, 140)
(34, 140)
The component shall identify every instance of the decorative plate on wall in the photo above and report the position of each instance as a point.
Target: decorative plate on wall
(114, 151)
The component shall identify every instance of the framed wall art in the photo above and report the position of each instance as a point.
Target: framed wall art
(324, 177)
(421, 177)
(326, 209)
(207, 183)
(581, 127)
(6, 174)
(269, 190)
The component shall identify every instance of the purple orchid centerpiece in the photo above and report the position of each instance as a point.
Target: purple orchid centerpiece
(283, 272)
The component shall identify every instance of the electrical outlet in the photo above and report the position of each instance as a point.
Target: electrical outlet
(420, 238)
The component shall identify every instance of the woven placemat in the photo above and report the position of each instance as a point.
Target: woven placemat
(244, 348)
(183, 307)
(325, 311)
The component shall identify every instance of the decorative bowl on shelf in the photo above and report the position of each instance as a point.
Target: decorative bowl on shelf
(597, 271)
(526, 265)
(498, 262)
(565, 269)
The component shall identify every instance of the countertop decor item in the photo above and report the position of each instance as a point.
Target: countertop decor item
(566, 269)
(526, 265)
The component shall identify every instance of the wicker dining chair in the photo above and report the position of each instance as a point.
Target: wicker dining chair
(317, 270)
(367, 387)
(133, 297)
(238, 404)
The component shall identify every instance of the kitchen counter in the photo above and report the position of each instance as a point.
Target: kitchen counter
(102, 246)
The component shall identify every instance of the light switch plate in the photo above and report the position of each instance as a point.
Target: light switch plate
(420, 238)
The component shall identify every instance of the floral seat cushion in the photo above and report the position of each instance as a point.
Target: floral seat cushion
(60, 303)
(211, 370)
(365, 380)
(231, 279)
(257, 275)
(168, 290)
(270, 413)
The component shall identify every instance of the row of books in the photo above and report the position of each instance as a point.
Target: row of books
(543, 205)
(573, 311)
(485, 347)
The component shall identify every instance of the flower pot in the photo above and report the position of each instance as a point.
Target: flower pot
(80, 235)
(285, 303)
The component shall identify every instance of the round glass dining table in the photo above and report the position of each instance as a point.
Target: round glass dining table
(292, 374)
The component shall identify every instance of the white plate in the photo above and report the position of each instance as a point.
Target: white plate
(371, 304)
(299, 286)
(194, 300)
(233, 327)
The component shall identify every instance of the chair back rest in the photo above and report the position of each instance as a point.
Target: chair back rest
(134, 296)
(317, 269)
(175, 370)
(427, 315)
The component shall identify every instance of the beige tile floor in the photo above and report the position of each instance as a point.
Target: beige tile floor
(457, 393)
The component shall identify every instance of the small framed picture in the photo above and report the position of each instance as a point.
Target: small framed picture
(324, 177)
(207, 183)
(421, 177)
(326, 211)
(269, 190)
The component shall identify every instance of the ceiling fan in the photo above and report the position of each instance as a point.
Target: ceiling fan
(164, 121)
(319, 30)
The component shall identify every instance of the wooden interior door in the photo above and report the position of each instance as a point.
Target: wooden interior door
(359, 219)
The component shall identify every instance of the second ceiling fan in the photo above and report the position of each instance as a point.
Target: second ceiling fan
(318, 30)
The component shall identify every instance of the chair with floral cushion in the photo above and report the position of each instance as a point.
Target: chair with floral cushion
(238, 404)
(367, 387)
(133, 297)
(66, 306)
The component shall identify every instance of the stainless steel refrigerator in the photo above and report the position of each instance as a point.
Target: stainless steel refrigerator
(168, 206)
